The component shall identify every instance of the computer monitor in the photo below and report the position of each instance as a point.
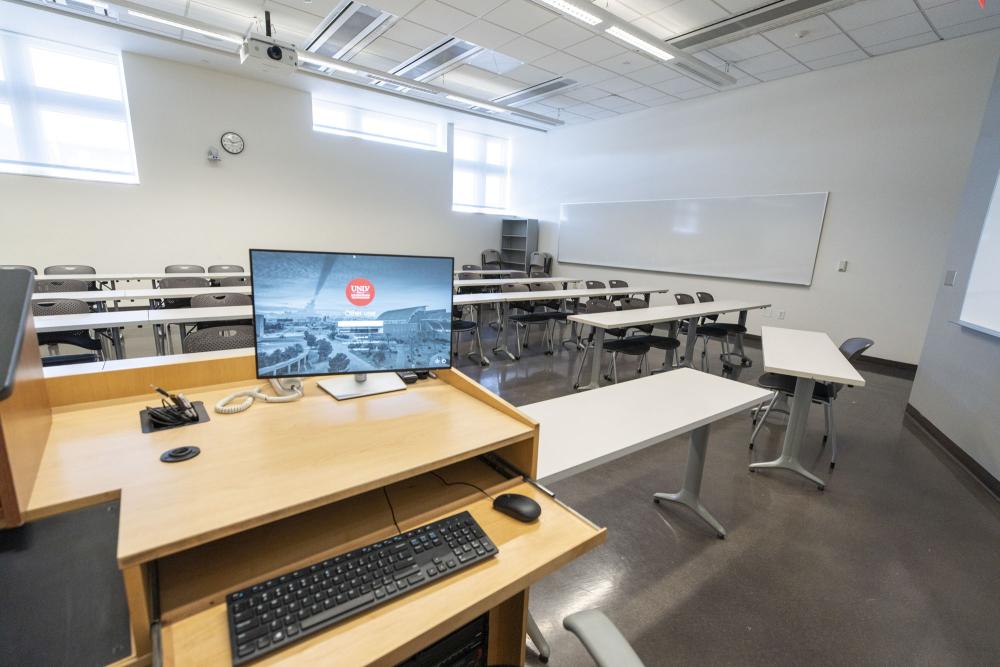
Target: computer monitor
(323, 313)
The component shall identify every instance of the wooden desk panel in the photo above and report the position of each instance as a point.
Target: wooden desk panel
(271, 462)
(393, 632)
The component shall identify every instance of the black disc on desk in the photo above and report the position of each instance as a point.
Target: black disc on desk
(179, 454)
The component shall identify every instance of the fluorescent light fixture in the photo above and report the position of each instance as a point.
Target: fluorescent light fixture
(306, 58)
(89, 3)
(574, 11)
(638, 43)
(182, 26)
(474, 103)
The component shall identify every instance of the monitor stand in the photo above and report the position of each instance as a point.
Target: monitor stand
(344, 387)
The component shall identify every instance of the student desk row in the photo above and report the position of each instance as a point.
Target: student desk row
(284, 485)
(113, 278)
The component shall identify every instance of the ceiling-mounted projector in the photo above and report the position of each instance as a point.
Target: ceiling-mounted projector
(268, 52)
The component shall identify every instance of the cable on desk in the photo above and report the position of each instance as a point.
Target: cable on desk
(447, 483)
(391, 510)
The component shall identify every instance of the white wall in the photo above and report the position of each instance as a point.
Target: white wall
(291, 188)
(957, 386)
(891, 138)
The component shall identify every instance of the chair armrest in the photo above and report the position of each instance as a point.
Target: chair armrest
(602, 639)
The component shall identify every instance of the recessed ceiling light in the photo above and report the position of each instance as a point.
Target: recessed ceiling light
(638, 42)
(475, 103)
(323, 62)
(574, 11)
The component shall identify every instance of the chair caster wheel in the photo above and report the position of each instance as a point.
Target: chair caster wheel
(751, 469)
(833, 464)
(821, 487)
(484, 363)
(544, 659)
(751, 445)
(721, 536)
(576, 386)
(656, 501)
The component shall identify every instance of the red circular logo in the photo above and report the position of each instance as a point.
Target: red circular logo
(360, 292)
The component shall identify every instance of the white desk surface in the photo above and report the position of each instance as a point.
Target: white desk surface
(654, 314)
(143, 362)
(495, 282)
(117, 318)
(185, 315)
(576, 433)
(808, 354)
(548, 295)
(148, 293)
(486, 272)
(137, 275)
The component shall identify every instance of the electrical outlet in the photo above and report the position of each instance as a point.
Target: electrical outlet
(949, 278)
(842, 267)
(767, 312)
(781, 314)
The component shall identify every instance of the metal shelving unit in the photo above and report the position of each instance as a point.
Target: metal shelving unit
(518, 239)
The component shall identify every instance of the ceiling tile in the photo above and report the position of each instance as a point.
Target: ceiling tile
(740, 6)
(657, 30)
(969, 27)
(625, 63)
(397, 7)
(891, 30)
(439, 16)
(867, 12)
(530, 74)
(288, 19)
(822, 48)
(711, 59)
(604, 113)
(413, 35)
(801, 32)
(560, 62)
(741, 49)
(618, 84)
(526, 49)
(561, 101)
(585, 93)
(486, 34)
(904, 43)
(642, 95)
(646, 6)
(767, 63)
(494, 61)
(961, 11)
(595, 49)
(586, 109)
(619, 9)
(219, 17)
(689, 14)
(839, 59)
(700, 91)
(366, 59)
(474, 7)
(560, 33)
(783, 72)
(390, 48)
(661, 100)
(678, 85)
(654, 74)
(520, 16)
(933, 3)
(590, 74)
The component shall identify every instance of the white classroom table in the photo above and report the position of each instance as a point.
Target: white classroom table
(622, 319)
(488, 272)
(112, 365)
(137, 275)
(811, 357)
(502, 298)
(496, 282)
(146, 293)
(570, 442)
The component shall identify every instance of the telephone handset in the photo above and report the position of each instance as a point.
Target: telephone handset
(286, 391)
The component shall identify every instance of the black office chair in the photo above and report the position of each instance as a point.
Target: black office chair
(233, 281)
(624, 344)
(224, 268)
(603, 641)
(72, 269)
(666, 343)
(824, 393)
(471, 267)
(220, 301)
(33, 270)
(183, 268)
(706, 331)
(230, 337)
(459, 326)
(68, 285)
(525, 318)
(183, 282)
(615, 284)
(490, 259)
(79, 338)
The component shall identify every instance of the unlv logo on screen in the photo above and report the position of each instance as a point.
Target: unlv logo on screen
(360, 292)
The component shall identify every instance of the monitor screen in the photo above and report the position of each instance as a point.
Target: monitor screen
(322, 313)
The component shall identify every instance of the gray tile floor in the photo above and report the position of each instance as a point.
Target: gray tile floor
(896, 563)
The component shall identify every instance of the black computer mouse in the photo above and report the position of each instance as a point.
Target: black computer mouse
(520, 507)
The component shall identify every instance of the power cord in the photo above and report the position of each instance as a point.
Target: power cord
(391, 510)
(285, 394)
(447, 483)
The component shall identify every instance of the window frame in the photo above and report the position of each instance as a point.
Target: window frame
(28, 101)
(357, 116)
(481, 170)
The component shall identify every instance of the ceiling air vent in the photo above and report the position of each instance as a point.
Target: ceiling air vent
(438, 59)
(535, 92)
(349, 28)
(764, 18)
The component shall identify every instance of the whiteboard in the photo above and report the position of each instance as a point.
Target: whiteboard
(773, 238)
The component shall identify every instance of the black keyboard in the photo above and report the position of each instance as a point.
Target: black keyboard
(270, 615)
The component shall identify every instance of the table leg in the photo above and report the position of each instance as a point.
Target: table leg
(690, 493)
(739, 337)
(595, 361)
(501, 347)
(692, 338)
(794, 432)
